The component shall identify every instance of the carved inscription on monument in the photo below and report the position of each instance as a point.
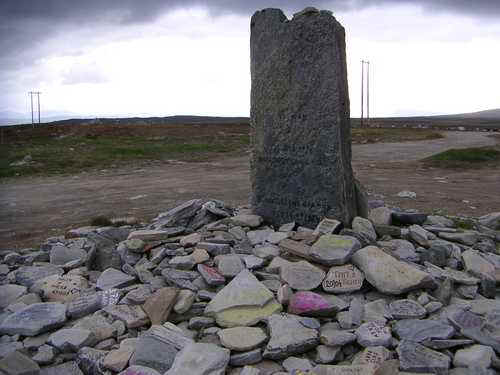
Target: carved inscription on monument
(342, 279)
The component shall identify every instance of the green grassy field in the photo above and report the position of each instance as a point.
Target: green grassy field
(69, 149)
(473, 157)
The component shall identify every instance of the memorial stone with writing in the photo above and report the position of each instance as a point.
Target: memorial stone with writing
(64, 289)
(301, 162)
(343, 279)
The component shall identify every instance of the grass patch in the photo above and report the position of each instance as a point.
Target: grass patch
(80, 148)
(101, 221)
(465, 224)
(473, 157)
(380, 135)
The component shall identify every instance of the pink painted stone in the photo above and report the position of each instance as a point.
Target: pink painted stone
(309, 303)
(211, 275)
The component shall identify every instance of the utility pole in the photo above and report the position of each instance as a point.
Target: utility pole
(37, 93)
(363, 63)
(362, 89)
(367, 91)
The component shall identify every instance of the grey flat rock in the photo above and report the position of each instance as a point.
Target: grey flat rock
(244, 301)
(10, 293)
(289, 337)
(112, 278)
(334, 250)
(28, 275)
(72, 339)
(200, 358)
(16, 363)
(302, 275)
(34, 319)
(154, 353)
(387, 274)
(421, 330)
(414, 357)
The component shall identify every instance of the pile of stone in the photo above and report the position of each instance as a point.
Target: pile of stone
(208, 290)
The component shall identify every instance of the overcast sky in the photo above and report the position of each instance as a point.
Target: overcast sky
(167, 57)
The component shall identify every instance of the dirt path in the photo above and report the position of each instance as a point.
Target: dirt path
(32, 209)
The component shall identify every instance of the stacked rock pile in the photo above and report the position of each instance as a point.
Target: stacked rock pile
(208, 290)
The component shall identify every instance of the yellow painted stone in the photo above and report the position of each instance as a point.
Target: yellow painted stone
(246, 315)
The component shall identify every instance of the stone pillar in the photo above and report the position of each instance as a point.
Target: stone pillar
(301, 162)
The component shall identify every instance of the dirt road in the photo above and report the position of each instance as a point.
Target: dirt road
(32, 209)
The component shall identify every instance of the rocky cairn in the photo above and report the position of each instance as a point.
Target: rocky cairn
(206, 289)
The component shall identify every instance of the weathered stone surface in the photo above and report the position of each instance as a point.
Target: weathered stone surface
(10, 293)
(28, 275)
(139, 370)
(491, 221)
(314, 304)
(417, 358)
(477, 265)
(406, 309)
(294, 364)
(331, 335)
(16, 363)
(242, 302)
(112, 278)
(374, 334)
(34, 319)
(247, 220)
(344, 370)
(474, 355)
(211, 275)
(229, 265)
(155, 235)
(373, 355)
(90, 360)
(302, 275)
(154, 353)
(64, 289)
(333, 250)
(422, 330)
(246, 358)
(117, 360)
(185, 300)
(200, 358)
(327, 226)
(381, 216)
(289, 337)
(389, 275)
(63, 256)
(169, 334)
(132, 316)
(67, 368)
(300, 168)
(365, 227)
(72, 339)
(86, 304)
(408, 218)
(241, 339)
(343, 279)
(101, 329)
(159, 305)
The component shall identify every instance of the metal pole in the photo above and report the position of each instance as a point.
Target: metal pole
(362, 88)
(32, 119)
(38, 95)
(368, 90)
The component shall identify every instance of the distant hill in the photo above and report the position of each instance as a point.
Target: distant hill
(492, 114)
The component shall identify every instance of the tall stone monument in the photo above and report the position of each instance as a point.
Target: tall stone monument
(301, 163)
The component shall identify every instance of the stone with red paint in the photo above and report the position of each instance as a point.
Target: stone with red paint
(211, 275)
(314, 304)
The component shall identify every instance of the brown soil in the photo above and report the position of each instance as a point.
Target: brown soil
(35, 208)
